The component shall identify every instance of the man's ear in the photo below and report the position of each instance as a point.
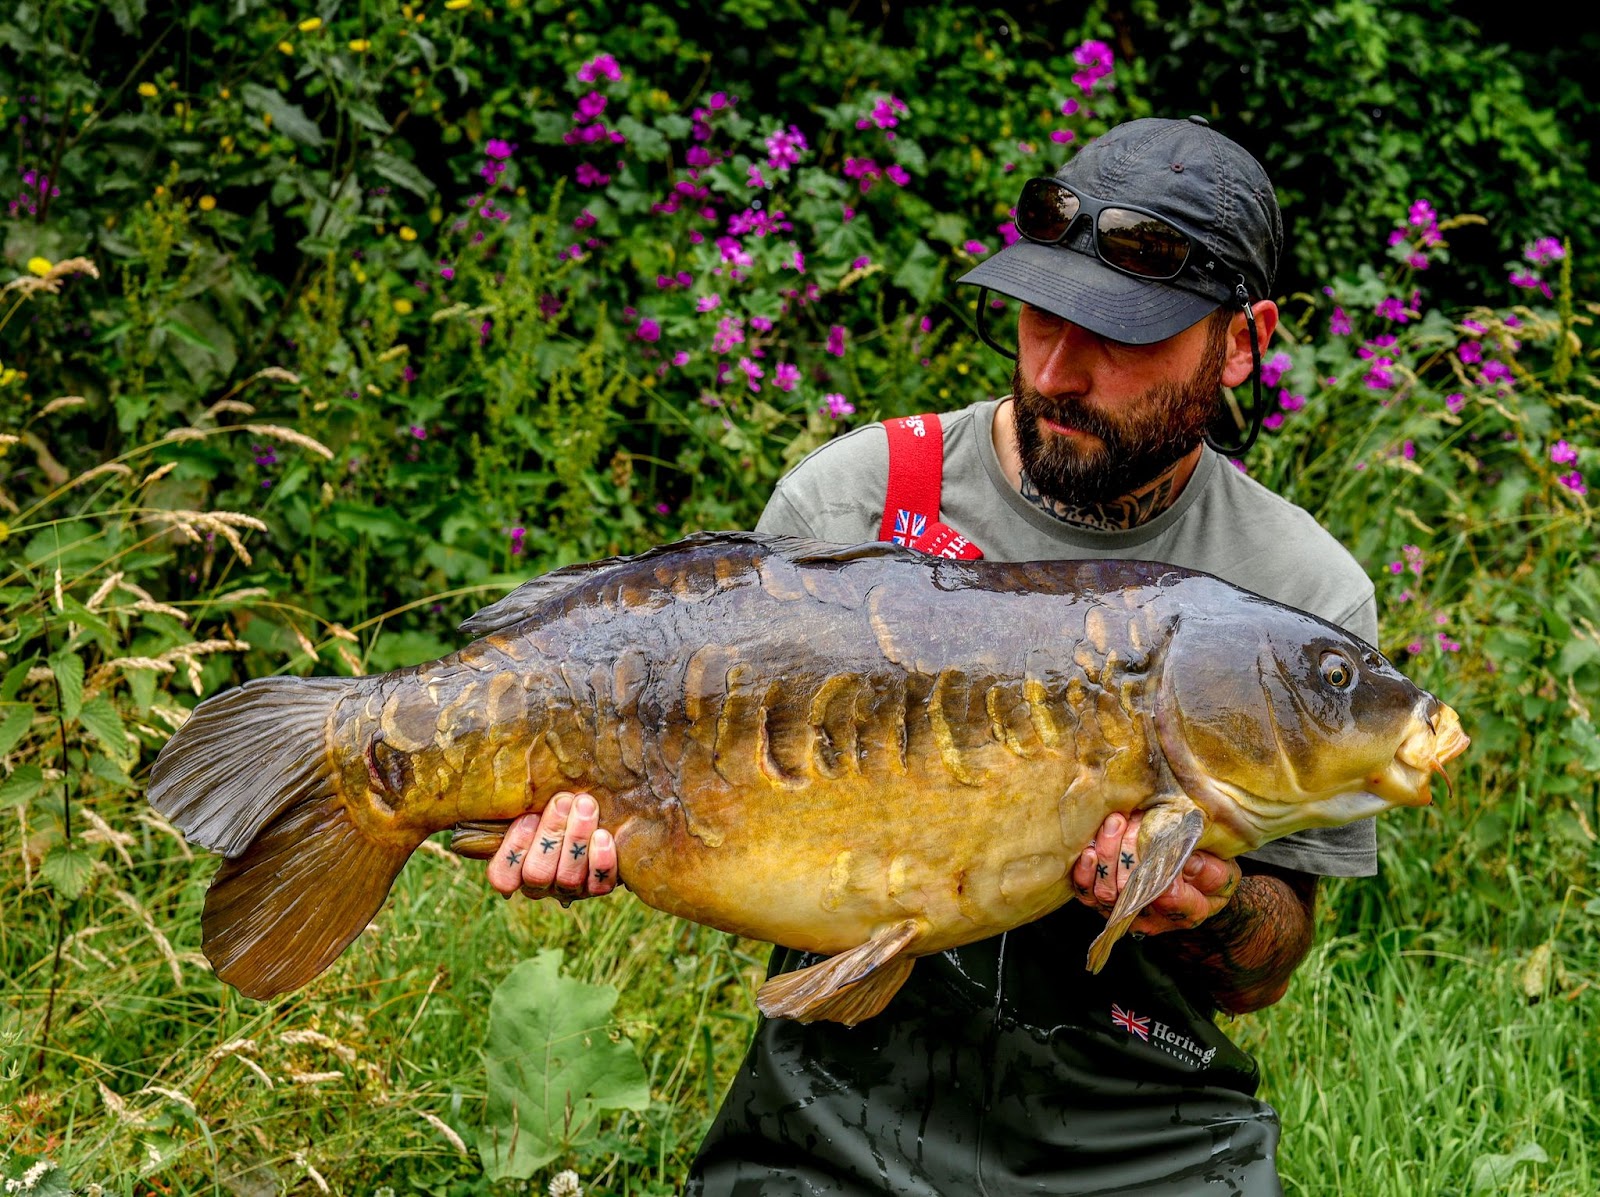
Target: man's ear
(1237, 365)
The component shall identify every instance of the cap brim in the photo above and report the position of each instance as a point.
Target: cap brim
(1084, 290)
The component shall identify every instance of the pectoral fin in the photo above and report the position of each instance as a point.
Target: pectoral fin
(846, 988)
(1167, 835)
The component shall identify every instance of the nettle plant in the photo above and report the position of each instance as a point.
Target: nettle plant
(1450, 452)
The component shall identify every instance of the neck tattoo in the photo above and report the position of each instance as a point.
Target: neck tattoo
(1118, 515)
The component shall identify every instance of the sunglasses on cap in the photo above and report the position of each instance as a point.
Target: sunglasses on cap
(1132, 240)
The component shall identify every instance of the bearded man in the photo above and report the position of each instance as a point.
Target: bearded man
(1143, 269)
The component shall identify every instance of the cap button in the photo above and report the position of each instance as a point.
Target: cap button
(1201, 121)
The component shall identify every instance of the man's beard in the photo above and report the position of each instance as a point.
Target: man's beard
(1137, 446)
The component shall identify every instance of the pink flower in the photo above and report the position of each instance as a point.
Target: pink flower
(977, 248)
(1339, 325)
(896, 175)
(861, 263)
(497, 149)
(1454, 403)
(784, 149)
(1562, 453)
(1470, 352)
(1273, 422)
(753, 176)
(1289, 401)
(1495, 373)
(648, 330)
(1393, 309)
(1061, 136)
(837, 406)
(707, 303)
(1274, 368)
(836, 340)
(785, 376)
(1545, 249)
(601, 66)
(751, 372)
(588, 176)
(1573, 482)
(1095, 58)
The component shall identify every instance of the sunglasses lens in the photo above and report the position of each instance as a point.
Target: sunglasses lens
(1140, 243)
(1045, 211)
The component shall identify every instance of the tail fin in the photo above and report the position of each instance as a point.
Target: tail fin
(250, 776)
(281, 913)
(245, 756)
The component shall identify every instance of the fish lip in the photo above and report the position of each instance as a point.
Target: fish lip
(1434, 738)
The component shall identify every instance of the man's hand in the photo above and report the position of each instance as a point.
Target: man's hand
(1205, 886)
(1243, 934)
(561, 852)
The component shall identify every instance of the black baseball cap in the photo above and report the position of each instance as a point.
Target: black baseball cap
(1182, 170)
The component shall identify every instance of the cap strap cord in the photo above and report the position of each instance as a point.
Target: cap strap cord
(983, 327)
(1258, 410)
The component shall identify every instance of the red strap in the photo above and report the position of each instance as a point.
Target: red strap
(916, 481)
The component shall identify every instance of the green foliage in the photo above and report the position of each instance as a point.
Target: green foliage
(319, 337)
(554, 1063)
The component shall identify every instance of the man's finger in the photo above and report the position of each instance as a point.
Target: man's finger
(572, 872)
(602, 863)
(544, 853)
(505, 870)
(1107, 845)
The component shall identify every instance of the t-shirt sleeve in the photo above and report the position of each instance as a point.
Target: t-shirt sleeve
(836, 493)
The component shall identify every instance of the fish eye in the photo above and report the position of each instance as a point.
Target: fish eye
(1337, 671)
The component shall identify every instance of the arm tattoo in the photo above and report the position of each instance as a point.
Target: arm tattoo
(1245, 954)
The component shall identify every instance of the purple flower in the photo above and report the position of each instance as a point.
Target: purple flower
(497, 149)
(1289, 401)
(1061, 136)
(588, 176)
(753, 176)
(1573, 482)
(681, 358)
(1454, 403)
(447, 272)
(1393, 309)
(1380, 377)
(1339, 325)
(785, 376)
(1561, 453)
(836, 340)
(1274, 368)
(751, 372)
(862, 262)
(1273, 422)
(648, 330)
(600, 66)
(784, 149)
(730, 332)
(1422, 215)
(517, 537)
(419, 432)
(707, 303)
(1095, 58)
(1470, 352)
(1545, 249)
(976, 248)
(1529, 282)
(896, 175)
(590, 106)
(837, 406)
(1495, 373)
(760, 324)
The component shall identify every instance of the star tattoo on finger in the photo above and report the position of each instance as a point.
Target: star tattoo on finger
(1100, 870)
(1127, 860)
(547, 845)
(513, 858)
(578, 850)
(601, 874)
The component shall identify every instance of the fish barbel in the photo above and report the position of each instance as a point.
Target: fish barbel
(857, 751)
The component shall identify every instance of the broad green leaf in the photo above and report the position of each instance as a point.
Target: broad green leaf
(404, 173)
(919, 273)
(25, 781)
(1492, 1173)
(126, 13)
(14, 726)
(100, 719)
(68, 668)
(68, 868)
(15, 676)
(553, 1066)
(289, 119)
(368, 117)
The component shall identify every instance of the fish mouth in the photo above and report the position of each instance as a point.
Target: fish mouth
(1434, 739)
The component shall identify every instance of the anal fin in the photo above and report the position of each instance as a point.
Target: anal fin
(1168, 833)
(849, 987)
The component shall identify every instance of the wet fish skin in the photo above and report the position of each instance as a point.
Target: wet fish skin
(800, 743)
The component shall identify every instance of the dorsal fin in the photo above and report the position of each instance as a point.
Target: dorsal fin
(519, 604)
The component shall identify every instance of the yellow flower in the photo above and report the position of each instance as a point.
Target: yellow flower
(286, 47)
(310, 25)
(207, 202)
(177, 109)
(40, 266)
(403, 306)
(457, 5)
(359, 274)
(407, 233)
(224, 93)
(148, 90)
(360, 45)
(226, 143)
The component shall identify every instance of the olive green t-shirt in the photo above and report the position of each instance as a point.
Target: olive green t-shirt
(1224, 523)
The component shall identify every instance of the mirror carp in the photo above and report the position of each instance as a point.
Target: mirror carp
(858, 751)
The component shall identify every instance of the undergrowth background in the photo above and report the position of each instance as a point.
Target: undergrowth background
(322, 327)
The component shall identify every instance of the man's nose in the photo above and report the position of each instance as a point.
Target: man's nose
(1064, 367)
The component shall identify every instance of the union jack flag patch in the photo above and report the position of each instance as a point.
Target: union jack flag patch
(907, 526)
(1130, 1022)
